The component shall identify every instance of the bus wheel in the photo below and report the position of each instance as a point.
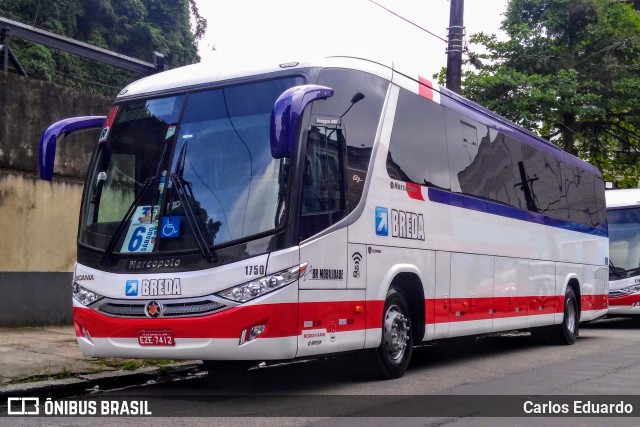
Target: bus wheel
(567, 332)
(391, 359)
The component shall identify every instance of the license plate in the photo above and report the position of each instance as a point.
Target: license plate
(156, 338)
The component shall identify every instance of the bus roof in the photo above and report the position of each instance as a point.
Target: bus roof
(623, 197)
(205, 74)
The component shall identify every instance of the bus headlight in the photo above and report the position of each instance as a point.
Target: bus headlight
(84, 296)
(259, 287)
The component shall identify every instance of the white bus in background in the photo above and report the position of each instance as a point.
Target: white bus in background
(623, 215)
(311, 208)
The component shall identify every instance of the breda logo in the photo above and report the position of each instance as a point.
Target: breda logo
(407, 225)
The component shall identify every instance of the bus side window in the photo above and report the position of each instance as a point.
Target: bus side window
(418, 146)
(359, 121)
(546, 183)
(323, 193)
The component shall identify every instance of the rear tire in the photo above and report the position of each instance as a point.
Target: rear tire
(566, 333)
(391, 359)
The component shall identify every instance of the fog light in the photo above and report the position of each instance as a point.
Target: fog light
(251, 333)
(256, 331)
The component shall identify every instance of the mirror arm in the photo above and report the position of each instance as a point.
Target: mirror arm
(57, 131)
(286, 114)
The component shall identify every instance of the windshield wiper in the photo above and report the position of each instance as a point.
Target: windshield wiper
(627, 271)
(613, 269)
(149, 183)
(186, 197)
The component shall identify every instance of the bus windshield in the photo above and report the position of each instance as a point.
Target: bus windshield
(624, 242)
(169, 169)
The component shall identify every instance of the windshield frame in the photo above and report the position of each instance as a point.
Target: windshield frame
(90, 251)
(620, 272)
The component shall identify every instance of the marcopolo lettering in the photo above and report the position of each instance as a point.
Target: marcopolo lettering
(156, 263)
(407, 225)
(160, 287)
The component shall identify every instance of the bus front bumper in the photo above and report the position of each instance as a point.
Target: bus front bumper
(217, 336)
(624, 305)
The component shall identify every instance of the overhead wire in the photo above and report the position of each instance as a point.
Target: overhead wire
(408, 21)
(465, 50)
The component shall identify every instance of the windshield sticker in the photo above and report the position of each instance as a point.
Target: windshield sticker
(141, 236)
(163, 180)
(143, 215)
(170, 227)
(171, 130)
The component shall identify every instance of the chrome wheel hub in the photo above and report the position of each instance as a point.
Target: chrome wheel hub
(395, 332)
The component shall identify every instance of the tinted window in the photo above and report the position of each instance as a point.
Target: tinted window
(322, 186)
(545, 183)
(493, 174)
(359, 120)
(418, 147)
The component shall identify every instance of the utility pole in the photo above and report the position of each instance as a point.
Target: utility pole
(454, 46)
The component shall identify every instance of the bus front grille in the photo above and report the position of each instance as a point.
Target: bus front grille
(169, 308)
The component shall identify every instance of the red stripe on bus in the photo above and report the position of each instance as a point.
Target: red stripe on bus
(280, 321)
(352, 314)
(444, 310)
(288, 319)
(425, 88)
(627, 300)
(594, 302)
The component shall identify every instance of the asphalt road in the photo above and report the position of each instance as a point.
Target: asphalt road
(467, 382)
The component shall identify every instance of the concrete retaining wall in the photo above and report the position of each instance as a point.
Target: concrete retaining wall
(35, 299)
(39, 219)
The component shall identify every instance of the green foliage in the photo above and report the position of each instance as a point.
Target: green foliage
(570, 72)
(133, 28)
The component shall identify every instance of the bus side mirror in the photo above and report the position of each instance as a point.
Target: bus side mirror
(57, 131)
(286, 114)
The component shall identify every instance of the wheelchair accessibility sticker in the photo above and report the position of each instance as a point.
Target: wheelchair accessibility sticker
(170, 227)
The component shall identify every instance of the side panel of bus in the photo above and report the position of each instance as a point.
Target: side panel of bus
(482, 267)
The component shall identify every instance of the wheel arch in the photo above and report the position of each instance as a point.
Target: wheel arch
(570, 281)
(407, 279)
(574, 283)
(410, 285)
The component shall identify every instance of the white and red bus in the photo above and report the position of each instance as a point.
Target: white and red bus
(623, 213)
(305, 209)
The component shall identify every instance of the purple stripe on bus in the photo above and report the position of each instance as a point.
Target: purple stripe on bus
(472, 203)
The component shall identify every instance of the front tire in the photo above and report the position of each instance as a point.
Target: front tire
(391, 359)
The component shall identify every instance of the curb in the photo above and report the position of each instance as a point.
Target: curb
(98, 382)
